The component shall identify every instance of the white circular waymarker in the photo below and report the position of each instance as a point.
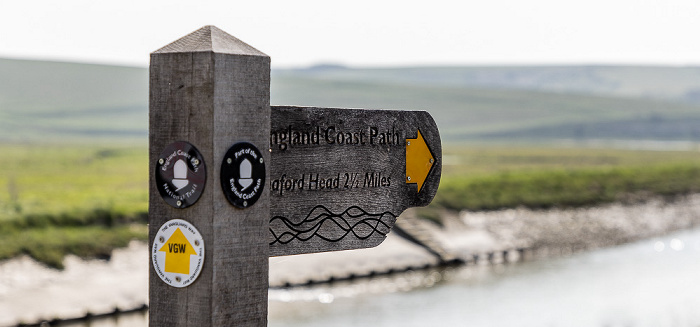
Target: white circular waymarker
(178, 253)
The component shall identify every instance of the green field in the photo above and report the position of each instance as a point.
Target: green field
(87, 199)
(60, 199)
(490, 178)
(73, 139)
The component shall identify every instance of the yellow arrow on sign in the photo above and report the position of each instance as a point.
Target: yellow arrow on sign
(419, 161)
(177, 253)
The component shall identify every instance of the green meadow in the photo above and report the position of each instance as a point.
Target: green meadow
(490, 178)
(87, 200)
(79, 199)
(75, 165)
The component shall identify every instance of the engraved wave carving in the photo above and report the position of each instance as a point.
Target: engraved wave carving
(332, 227)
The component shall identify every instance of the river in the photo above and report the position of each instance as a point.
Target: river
(648, 283)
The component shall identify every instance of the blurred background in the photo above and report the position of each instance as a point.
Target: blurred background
(571, 161)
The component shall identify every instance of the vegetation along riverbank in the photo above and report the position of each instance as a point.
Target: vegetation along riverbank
(87, 199)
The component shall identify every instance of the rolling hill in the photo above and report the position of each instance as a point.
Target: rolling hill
(50, 101)
(70, 102)
(653, 82)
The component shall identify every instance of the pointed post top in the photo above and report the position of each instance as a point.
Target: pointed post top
(210, 38)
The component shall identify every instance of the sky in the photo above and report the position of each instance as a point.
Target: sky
(364, 33)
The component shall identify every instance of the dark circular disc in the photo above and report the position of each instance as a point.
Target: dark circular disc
(243, 174)
(180, 174)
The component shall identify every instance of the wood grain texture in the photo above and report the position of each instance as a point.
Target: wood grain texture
(338, 176)
(212, 90)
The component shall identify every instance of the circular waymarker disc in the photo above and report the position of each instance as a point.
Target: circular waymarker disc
(178, 253)
(243, 174)
(180, 174)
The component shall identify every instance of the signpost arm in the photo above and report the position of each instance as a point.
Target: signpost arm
(211, 90)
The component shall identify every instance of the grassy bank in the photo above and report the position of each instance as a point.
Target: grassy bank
(491, 178)
(566, 188)
(87, 200)
(84, 200)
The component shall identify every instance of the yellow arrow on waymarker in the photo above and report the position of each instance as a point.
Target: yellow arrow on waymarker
(419, 161)
(177, 253)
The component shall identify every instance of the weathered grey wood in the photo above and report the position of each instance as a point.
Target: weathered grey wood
(212, 90)
(337, 179)
(362, 154)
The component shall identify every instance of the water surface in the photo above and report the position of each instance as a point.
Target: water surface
(648, 283)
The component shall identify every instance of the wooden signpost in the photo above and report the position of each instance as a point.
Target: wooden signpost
(234, 181)
(341, 177)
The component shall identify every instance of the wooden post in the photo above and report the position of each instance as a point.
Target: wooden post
(340, 178)
(211, 91)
